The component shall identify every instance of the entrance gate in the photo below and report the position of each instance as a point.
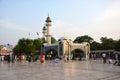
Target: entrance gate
(51, 54)
(77, 54)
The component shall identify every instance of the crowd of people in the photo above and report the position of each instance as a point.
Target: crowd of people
(13, 58)
(113, 58)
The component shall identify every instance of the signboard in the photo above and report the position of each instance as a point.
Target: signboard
(6, 49)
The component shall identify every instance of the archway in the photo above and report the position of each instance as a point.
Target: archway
(51, 54)
(77, 54)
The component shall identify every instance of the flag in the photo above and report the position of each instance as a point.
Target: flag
(37, 33)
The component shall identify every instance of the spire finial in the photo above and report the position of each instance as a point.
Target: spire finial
(48, 14)
(48, 19)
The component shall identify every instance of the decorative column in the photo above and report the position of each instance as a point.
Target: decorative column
(48, 24)
(44, 32)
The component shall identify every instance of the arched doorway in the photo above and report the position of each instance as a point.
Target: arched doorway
(77, 54)
(51, 54)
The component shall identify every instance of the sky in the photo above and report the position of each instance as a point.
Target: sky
(70, 18)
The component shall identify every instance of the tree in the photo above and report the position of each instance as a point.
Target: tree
(37, 43)
(30, 48)
(53, 40)
(95, 46)
(117, 45)
(16, 49)
(84, 38)
(24, 46)
(107, 43)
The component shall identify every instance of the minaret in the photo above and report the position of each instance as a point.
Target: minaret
(44, 32)
(48, 24)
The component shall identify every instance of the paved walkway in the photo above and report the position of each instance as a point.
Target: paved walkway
(73, 70)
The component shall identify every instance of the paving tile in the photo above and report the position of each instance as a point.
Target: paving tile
(72, 70)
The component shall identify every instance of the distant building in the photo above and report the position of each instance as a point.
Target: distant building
(64, 46)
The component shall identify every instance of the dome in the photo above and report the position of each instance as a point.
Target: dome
(48, 19)
(63, 38)
(44, 28)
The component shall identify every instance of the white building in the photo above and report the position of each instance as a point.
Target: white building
(64, 46)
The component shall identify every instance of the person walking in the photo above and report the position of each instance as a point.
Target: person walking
(94, 56)
(42, 58)
(2, 58)
(65, 58)
(104, 57)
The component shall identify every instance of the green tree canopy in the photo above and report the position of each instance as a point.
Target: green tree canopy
(28, 46)
(117, 45)
(107, 43)
(37, 43)
(30, 49)
(95, 46)
(24, 46)
(84, 38)
(53, 40)
(16, 49)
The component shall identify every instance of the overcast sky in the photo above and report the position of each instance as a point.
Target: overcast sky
(70, 18)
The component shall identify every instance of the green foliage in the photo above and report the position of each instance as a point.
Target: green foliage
(95, 46)
(117, 45)
(16, 49)
(28, 46)
(84, 38)
(43, 40)
(24, 46)
(37, 43)
(53, 40)
(107, 43)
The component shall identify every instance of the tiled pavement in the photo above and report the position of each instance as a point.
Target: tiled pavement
(72, 70)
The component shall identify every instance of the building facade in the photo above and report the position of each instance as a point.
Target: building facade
(64, 46)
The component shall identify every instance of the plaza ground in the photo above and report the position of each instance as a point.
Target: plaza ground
(72, 70)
